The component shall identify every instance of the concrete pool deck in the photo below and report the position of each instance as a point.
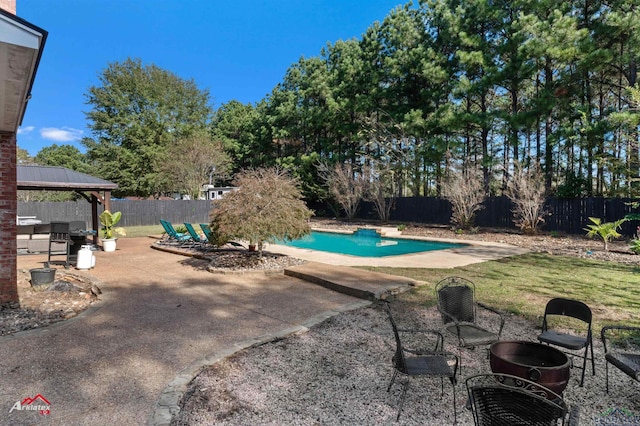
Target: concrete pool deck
(472, 252)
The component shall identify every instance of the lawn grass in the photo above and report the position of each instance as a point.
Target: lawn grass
(143, 231)
(524, 284)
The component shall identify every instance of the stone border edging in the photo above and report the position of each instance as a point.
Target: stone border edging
(168, 402)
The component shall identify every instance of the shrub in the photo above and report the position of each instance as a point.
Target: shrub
(464, 190)
(527, 194)
(267, 206)
(346, 186)
(606, 231)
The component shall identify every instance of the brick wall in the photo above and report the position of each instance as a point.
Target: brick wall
(8, 5)
(8, 210)
(8, 207)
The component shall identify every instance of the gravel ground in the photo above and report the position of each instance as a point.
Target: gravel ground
(338, 372)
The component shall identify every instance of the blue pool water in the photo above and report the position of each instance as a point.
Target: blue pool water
(365, 243)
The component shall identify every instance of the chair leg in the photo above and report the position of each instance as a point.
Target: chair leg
(606, 368)
(593, 362)
(455, 412)
(395, 373)
(404, 393)
(584, 364)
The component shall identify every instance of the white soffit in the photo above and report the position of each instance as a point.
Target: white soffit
(19, 47)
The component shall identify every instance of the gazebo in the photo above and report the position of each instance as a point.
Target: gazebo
(93, 189)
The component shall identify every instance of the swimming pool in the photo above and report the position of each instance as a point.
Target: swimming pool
(365, 243)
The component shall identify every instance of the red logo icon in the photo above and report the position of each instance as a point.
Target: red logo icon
(37, 403)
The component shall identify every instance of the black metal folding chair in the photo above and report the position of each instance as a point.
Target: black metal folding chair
(573, 309)
(622, 350)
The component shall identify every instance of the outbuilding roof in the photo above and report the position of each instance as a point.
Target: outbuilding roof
(35, 177)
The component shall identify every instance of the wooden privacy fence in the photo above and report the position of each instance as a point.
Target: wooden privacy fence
(134, 213)
(565, 215)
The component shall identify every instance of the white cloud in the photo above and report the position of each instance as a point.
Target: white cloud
(25, 130)
(64, 134)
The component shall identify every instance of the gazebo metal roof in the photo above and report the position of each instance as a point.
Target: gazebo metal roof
(35, 177)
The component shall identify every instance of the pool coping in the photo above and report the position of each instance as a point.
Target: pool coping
(472, 252)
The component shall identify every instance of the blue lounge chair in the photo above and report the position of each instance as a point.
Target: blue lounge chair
(207, 232)
(195, 237)
(173, 236)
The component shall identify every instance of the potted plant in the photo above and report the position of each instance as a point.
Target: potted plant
(108, 221)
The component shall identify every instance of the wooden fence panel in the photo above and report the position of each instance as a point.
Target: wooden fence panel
(566, 215)
(134, 213)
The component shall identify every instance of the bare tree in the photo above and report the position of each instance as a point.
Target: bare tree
(526, 190)
(346, 186)
(465, 191)
(267, 206)
(382, 191)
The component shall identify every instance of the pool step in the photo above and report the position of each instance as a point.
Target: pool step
(389, 231)
(359, 283)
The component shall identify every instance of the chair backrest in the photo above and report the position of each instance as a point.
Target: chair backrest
(168, 227)
(192, 232)
(569, 308)
(165, 227)
(59, 231)
(503, 399)
(456, 298)
(398, 358)
(207, 231)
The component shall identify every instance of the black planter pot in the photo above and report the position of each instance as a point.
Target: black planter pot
(42, 276)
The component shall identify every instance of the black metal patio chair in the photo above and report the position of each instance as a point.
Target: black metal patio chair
(506, 400)
(572, 341)
(59, 235)
(622, 350)
(458, 307)
(412, 362)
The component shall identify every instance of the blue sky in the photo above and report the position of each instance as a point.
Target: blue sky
(236, 50)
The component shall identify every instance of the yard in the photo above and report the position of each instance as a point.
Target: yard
(337, 373)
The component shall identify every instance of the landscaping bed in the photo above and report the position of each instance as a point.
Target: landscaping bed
(68, 296)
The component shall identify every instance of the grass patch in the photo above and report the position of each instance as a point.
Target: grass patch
(524, 284)
(143, 231)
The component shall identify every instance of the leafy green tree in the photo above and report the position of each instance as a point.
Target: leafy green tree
(138, 111)
(63, 156)
(237, 125)
(267, 206)
(23, 156)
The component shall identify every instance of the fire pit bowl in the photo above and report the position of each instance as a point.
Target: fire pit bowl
(539, 363)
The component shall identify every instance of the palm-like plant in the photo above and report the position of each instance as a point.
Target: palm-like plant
(606, 231)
